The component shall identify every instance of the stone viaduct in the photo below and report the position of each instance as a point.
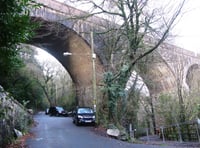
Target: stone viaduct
(60, 33)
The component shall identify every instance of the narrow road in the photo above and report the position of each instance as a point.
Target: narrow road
(60, 132)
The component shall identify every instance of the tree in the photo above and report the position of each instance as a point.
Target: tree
(167, 108)
(186, 93)
(178, 68)
(140, 30)
(56, 83)
(15, 28)
(47, 82)
(182, 103)
(21, 83)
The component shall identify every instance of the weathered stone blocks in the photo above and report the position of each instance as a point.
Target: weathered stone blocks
(12, 116)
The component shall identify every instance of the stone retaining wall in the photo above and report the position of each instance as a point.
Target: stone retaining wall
(12, 116)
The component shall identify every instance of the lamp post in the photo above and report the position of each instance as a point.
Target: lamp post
(93, 71)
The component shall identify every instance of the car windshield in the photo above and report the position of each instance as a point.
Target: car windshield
(59, 108)
(85, 110)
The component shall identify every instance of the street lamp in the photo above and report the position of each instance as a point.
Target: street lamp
(67, 53)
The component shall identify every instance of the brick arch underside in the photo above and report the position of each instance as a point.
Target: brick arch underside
(56, 39)
(192, 77)
(158, 77)
(161, 79)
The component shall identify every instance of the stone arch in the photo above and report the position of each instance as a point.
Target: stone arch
(192, 77)
(162, 79)
(158, 77)
(56, 39)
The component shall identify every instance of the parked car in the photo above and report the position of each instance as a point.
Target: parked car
(57, 111)
(84, 115)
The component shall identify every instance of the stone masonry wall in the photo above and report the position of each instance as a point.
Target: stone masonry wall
(12, 116)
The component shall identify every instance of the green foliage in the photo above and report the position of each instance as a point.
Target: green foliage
(15, 24)
(114, 89)
(191, 107)
(22, 122)
(132, 108)
(67, 101)
(198, 109)
(25, 88)
(9, 65)
(15, 28)
(168, 109)
(113, 92)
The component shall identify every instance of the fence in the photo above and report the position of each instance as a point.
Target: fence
(188, 131)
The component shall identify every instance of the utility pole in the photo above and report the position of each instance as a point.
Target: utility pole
(94, 74)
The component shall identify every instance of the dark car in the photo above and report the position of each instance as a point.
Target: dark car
(57, 111)
(84, 115)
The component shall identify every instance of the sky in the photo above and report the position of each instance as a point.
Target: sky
(187, 30)
(43, 56)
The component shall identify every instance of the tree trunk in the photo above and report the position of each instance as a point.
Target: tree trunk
(153, 115)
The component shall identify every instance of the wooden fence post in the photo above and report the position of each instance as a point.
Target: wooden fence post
(197, 128)
(163, 136)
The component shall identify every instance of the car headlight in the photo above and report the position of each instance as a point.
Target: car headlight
(79, 116)
(93, 117)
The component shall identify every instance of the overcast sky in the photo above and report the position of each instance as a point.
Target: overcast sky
(187, 30)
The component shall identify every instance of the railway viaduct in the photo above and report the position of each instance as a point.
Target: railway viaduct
(60, 33)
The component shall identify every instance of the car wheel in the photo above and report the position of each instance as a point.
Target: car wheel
(76, 122)
(93, 124)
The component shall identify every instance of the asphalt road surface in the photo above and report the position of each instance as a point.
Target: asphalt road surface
(60, 132)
